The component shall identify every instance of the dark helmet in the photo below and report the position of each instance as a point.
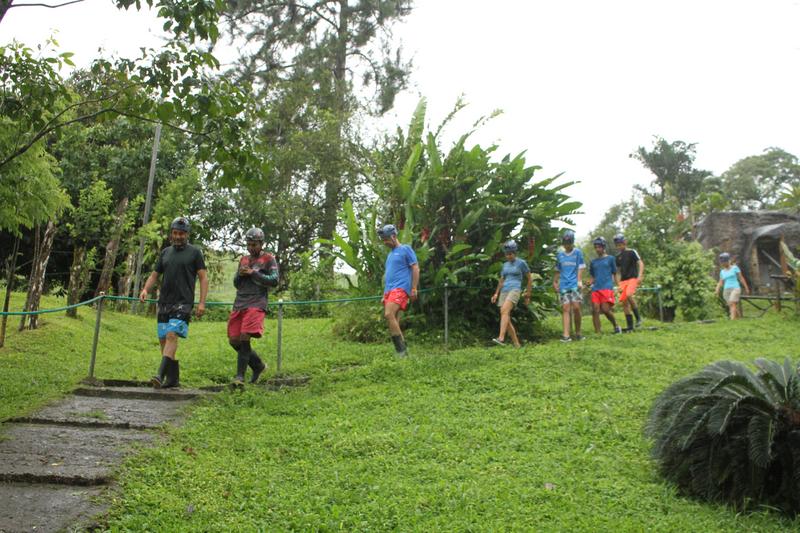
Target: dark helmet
(181, 224)
(387, 231)
(619, 238)
(600, 241)
(568, 237)
(509, 246)
(724, 257)
(254, 234)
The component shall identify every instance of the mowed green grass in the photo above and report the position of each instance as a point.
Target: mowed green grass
(547, 438)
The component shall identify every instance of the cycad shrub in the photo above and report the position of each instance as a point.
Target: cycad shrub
(729, 434)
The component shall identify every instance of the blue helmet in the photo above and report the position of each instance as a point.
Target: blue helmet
(180, 224)
(619, 238)
(600, 241)
(509, 246)
(387, 231)
(568, 237)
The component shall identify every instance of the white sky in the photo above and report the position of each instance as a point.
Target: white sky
(582, 83)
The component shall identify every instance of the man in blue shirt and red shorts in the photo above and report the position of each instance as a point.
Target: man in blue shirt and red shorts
(402, 278)
(602, 270)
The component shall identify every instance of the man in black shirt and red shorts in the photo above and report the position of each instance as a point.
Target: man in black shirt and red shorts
(180, 264)
(630, 273)
(257, 271)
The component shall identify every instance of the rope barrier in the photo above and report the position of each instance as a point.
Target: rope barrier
(288, 302)
(56, 310)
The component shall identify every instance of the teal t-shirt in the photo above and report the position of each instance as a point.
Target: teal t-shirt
(512, 274)
(730, 277)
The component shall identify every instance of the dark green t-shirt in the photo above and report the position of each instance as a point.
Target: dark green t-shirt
(179, 269)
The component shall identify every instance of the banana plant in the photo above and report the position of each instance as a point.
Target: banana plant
(455, 208)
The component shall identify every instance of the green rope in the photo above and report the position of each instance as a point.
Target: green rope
(56, 310)
(279, 302)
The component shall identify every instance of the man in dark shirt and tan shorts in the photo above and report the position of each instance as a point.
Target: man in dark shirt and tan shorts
(257, 271)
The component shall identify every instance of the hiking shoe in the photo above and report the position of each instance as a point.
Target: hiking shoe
(580, 338)
(638, 323)
(617, 330)
(627, 330)
(498, 342)
(566, 339)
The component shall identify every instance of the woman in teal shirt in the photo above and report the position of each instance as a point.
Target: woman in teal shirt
(509, 289)
(731, 282)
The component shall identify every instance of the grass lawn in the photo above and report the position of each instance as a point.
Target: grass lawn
(547, 438)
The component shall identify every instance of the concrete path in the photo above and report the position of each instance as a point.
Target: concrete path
(56, 466)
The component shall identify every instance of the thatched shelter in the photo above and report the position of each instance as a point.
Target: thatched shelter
(753, 238)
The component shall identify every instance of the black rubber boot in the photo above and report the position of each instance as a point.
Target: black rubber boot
(242, 360)
(173, 375)
(158, 380)
(399, 345)
(257, 365)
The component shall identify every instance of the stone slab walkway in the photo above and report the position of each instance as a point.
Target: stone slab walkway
(57, 464)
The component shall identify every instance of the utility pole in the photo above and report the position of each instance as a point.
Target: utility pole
(147, 203)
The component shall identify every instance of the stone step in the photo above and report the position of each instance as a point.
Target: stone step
(141, 393)
(35, 507)
(98, 411)
(84, 456)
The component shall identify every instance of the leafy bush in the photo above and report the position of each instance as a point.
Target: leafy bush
(310, 282)
(731, 435)
(684, 276)
(360, 322)
(455, 209)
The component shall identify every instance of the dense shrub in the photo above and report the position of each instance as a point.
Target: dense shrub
(455, 208)
(731, 435)
(684, 277)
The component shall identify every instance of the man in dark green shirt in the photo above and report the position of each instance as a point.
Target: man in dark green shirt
(179, 265)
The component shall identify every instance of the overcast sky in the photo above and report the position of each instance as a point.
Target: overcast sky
(582, 83)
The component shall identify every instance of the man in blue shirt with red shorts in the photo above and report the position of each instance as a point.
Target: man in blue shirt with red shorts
(402, 278)
(602, 270)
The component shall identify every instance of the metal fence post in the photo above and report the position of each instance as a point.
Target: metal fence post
(280, 335)
(96, 333)
(660, 305)
(446, 315)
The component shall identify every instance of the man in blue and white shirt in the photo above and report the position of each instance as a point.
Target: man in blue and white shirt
(568, 282)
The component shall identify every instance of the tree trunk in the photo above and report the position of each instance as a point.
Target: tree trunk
(37, 238)
(126, 279)
(12, 267)
(37, 279)
(75, 279)
(333, 181)
(110, 259)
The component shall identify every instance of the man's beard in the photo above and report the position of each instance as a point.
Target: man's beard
(179, 244)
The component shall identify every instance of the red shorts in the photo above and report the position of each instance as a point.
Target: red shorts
(603, 296)
(397, 296)
(249, 321)
(627, 288)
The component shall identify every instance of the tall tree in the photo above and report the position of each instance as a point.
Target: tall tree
(30, 194)
(672, 164)
(308, 60)
(758, 181)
